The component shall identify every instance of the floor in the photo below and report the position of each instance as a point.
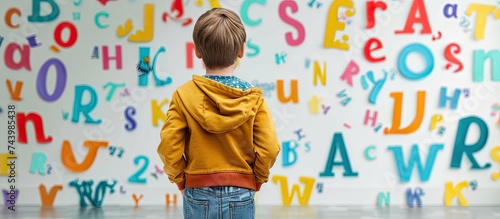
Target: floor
(262, 212)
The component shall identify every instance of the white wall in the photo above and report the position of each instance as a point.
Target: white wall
(378, 175)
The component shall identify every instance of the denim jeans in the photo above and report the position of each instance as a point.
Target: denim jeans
(219, 202)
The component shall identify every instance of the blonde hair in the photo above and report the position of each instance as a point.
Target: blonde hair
(218, 36)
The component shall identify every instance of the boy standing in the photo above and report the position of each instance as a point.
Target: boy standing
(218, 142)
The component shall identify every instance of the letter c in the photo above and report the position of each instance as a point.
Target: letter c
(8, 17)
(367, 153)
(97, 22)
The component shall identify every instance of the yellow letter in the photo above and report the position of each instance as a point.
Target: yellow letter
(287, 197)
(482, 12)
(450, 192)
(319, 74)
(314, 104)
(333, 24)
(495, 154)
(156, 113)
(435, 119)
(147, 33)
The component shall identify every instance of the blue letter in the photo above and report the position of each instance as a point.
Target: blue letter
(338, 142)
(453, 99)
(426, 54)
(129, 112)
(78, 107)
(405, 171)
(37, 17)
(287, 149)
(469, 150)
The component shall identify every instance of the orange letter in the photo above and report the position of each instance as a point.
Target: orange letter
(397, 114)
(15, 94)
(48, 199)
(294, 94)
(8, 17)
(137, 199)
(417, 7)
(68, 157)
(333, 24)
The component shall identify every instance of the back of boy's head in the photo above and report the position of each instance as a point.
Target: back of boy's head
(218, 36)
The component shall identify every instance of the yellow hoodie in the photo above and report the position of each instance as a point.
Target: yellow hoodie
(216, 135)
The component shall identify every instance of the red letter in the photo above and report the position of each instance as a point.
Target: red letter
(300, 28)
(417, 7)
(371, 6)
(73, 34)
(368, 50)
(36, 119)
(25, 56)
(449, 52)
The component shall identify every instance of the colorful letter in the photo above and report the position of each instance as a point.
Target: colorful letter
(129, 113)
(434, 120)
(319, 74)
(244, 12)
(350, 71)
(480, 58)
(338, 144)
(482, 12)
(38, 163)
(333, 24)
(418, 7)
(36, 15)
(48, 199)
(287, 196)
(24, 61)
(78, 106)
(453, 99)
(8, 17)
(106, 58)
(461, 148)
(68, 157)
(398, 111)
(15, 93)
(449, 53)
(22, 119)
(147, 33)
(423, 171)
(294, 94)
(294, 23)
(451, 191)
(73, 34)
(97, 21)
(41, 80)
(156, 112)
(384, 199)
(368, 49)
(287, 150)
(112, 89)
(371, 6)
(495, 154)
(426, 54)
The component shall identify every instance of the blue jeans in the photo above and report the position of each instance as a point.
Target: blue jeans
(219, 202)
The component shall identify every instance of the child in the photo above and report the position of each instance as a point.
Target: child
(218, 141)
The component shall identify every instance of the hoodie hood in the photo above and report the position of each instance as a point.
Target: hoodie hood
(219, 108)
